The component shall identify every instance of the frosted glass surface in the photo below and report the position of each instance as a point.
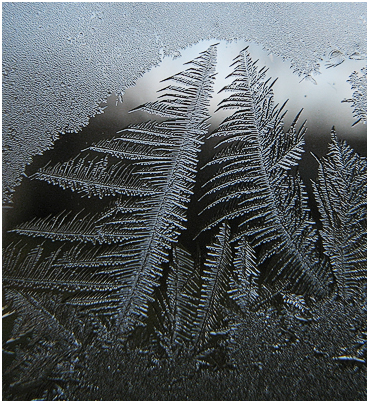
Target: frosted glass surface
(184, 201)
(61, 59)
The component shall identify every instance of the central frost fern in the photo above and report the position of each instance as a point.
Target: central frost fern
(179, 139)
(254, 185)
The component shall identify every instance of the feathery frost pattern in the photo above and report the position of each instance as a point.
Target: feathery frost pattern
(254, 185)
(59, 228)
(244, 288)
(180, 138)
(340, 193)
(96, 289)
(93, 178)
(101, 228)
(215, 285)
(359, 97)
(102, 291)
(158, 183)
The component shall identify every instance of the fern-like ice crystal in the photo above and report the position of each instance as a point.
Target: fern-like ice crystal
(340, 192)
(254, 185)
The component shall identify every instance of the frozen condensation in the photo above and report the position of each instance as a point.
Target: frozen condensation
(359, 96)
(60, 60)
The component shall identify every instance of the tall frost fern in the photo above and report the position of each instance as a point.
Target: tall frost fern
(156, 188)
(254, 184)
(340, 192)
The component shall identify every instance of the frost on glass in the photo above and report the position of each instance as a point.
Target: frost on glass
(358, 82)
(57, 70)
(157, 190)
(254, 184)
(200, 238)
(341, 198)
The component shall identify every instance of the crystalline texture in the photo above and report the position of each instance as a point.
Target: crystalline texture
(61, 59)
(359, 97)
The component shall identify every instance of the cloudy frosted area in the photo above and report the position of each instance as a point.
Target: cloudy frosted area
(60, 60)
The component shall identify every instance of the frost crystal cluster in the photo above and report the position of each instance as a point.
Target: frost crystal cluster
(359, 98)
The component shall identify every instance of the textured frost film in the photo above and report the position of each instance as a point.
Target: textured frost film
(57, 70)
(200, 238)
